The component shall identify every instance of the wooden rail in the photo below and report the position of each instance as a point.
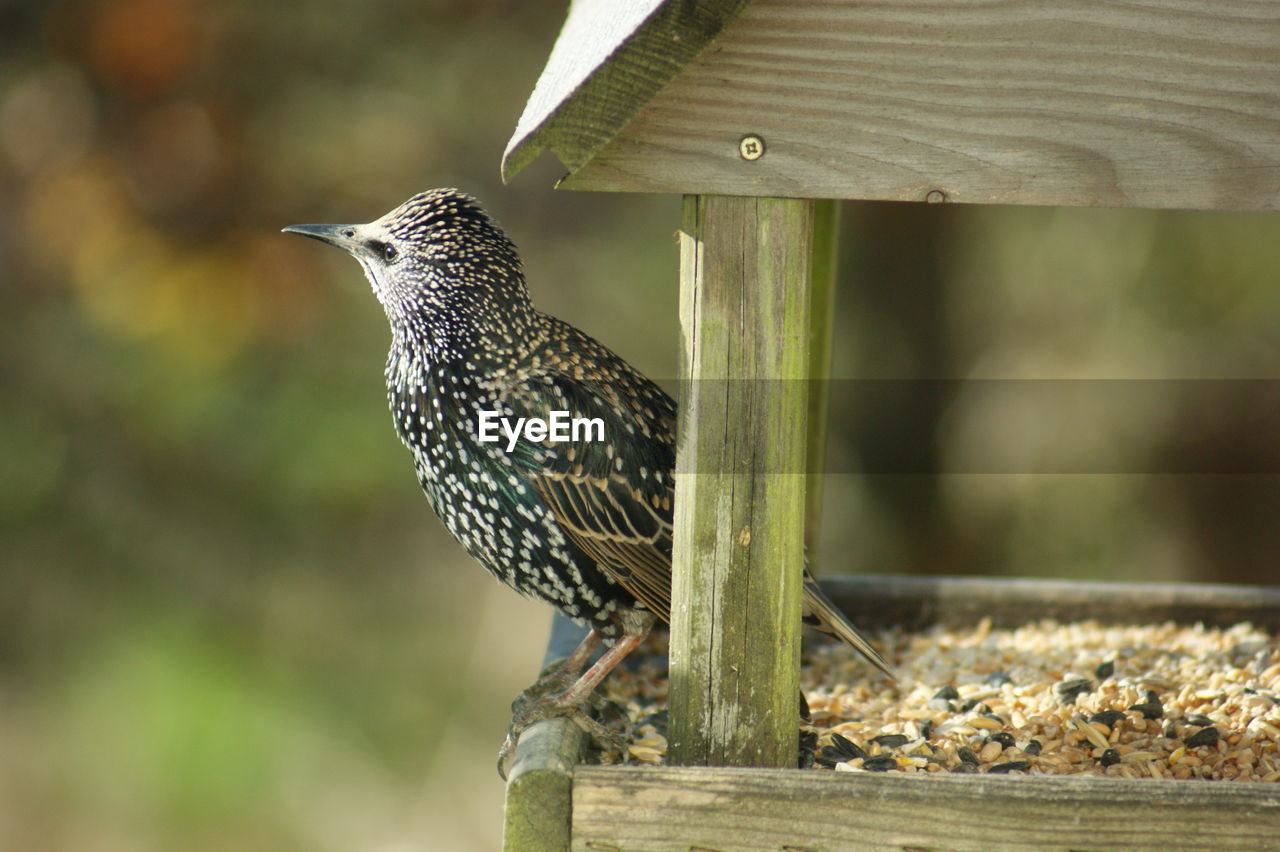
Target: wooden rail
(673, 809)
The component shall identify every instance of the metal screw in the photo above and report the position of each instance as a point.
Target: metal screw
(936, 196)
(751, 147)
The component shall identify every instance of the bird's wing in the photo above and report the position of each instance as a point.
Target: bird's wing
(612, 497)
(616, 526)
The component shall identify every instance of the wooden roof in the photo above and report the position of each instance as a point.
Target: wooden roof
(1168, 103)
(611, 57)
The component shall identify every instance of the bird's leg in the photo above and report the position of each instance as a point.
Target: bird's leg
(568, 702)
(557, 679)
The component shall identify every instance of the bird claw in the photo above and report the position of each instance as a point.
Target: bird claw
(528, 711)
(506, 753)
(550, 682)
(559, 694)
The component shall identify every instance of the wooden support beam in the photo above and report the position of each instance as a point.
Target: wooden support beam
(740, 491)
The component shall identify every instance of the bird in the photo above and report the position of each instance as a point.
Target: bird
(584, 524)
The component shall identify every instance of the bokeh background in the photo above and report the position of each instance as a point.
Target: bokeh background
(227, 618)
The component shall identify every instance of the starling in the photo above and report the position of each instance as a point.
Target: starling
(584, 523)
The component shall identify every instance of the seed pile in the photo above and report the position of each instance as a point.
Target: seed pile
(1140, 701)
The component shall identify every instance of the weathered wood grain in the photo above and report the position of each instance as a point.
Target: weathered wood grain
(708, 809)
(740, 483)
(1164, 103)
(537, 811)
(610, 58)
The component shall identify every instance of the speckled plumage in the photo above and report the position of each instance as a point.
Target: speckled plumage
(474, 342)
(545, 517)
(583, 525)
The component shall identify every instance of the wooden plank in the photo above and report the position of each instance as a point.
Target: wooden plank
(682, 808)
(537, 812)
(916, 602)
(610, 58)
(740, 488)
(1167, 103)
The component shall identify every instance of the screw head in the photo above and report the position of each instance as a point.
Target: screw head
(751, 147)
(935, 196)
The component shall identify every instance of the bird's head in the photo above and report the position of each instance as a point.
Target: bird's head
(438, 264)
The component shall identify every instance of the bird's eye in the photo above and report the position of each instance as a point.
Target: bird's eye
(386, 250)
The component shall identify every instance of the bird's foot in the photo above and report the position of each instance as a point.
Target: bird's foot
(549, 697)
(554, 679)
(530, 708)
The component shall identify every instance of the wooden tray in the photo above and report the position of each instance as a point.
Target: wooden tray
(554, 803)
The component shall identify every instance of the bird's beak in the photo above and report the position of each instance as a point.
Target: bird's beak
(335, 235)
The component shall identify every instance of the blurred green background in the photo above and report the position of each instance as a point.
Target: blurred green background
(227, 617)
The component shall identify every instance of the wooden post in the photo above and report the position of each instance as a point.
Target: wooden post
(740, 490)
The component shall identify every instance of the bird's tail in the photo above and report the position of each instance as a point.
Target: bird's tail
(827, 617)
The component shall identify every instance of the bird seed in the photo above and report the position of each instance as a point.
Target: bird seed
(1164, 701)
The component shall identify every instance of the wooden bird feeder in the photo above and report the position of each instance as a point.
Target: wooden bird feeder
(762, 114)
